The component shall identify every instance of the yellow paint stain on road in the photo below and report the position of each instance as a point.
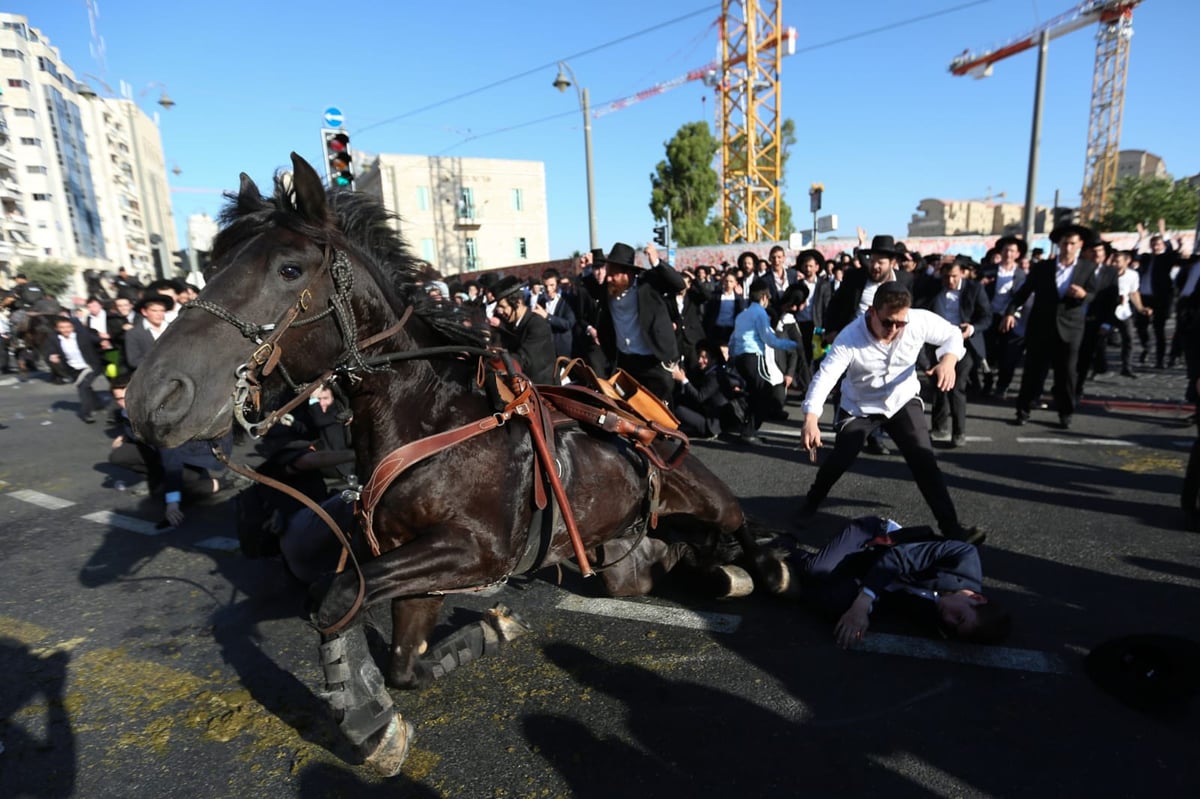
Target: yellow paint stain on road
(21, 631)
(1141, 462)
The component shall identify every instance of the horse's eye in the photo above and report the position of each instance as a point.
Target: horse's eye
(290, 271)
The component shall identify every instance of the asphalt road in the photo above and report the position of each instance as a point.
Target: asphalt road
(148, 663)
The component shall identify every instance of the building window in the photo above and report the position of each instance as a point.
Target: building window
(31, 141)
(41, 196)
(8, 52)
(522, 248)
(518, 200)
(472, 255)
(23, 112)
(18, 83)
(427, 250)
(36, 170)
(422, 198)
(466, 203)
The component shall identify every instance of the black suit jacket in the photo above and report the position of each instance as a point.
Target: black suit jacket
(562, 324)
(654, 287)
(973, 306)
(1051, 314)
(532, 343)
(843, 307)
(87, 347)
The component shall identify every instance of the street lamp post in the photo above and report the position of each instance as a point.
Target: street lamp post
(562, 83)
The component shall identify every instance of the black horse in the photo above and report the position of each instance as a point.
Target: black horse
(304, 283)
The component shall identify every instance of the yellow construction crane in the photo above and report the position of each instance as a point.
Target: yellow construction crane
(752, 46)
(1115, 19)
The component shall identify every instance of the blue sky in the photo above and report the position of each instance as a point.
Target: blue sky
(880, 120)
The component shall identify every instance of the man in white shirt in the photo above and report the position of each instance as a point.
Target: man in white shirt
(76, 357)
(878, 354)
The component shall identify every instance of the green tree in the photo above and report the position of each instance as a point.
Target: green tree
(53, 276)
(687, 183)
(1148, 199)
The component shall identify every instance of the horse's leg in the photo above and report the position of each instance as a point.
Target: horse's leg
(360, 703)
(413, 620)
(705, 502)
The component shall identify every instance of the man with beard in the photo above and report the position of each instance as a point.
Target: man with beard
(522, 332)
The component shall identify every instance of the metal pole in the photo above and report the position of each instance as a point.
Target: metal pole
(591, 190)
(1035, 138)
(814, 236)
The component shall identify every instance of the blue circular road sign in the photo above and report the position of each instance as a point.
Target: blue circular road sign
(333, 117)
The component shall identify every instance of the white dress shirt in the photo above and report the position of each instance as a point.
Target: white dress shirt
(881, 378)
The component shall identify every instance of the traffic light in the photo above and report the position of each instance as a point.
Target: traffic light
(814, 196)
(181, 261)
(660, 235)
(338, 158)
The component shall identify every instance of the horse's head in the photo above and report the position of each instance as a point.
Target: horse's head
(274, 312)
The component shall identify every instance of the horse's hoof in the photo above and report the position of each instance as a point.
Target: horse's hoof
(740, 583)
(392, 749)
(507, 624)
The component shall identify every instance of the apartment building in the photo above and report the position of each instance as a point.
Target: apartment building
(86, 183)
(464, 214)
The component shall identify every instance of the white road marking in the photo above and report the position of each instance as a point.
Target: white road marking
(933, 779)
(8, 381)
(41, 500)
(996, 657)
(139, 526)
(655, 614)
(1076, 442)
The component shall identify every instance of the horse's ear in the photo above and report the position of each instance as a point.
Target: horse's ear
(248, 196)
(310, 193)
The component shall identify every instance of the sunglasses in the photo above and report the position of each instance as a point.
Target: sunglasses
(892, 324)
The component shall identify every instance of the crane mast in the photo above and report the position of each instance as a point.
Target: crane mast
(751, 123)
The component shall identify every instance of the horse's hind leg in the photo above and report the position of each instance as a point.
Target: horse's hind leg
(360, 703)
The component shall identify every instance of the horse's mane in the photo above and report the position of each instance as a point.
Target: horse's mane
(362, 224)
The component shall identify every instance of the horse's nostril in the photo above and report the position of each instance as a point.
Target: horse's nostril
(171, 399)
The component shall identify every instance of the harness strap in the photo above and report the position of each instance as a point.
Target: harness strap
(400, 459)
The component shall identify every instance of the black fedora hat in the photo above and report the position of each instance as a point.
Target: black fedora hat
(598, 256)
(816, 255)
(1152, 673)
(885, 245)
(1004, 241)
(162, 299)
(1084, 232)
(507, 286)
(622, 255)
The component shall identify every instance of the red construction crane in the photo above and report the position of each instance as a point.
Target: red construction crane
(1115, 18)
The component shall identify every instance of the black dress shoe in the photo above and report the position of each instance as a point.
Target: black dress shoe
(1022, 418)
(1065, 422)
(876, 447)
(750, 440)
(1129, 373)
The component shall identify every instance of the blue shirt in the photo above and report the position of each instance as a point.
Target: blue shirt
(752, 333)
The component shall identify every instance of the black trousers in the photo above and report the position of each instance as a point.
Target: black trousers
(1041, 355)
(950, 407)
(1162, 312)
(765, 402)
(909, 432)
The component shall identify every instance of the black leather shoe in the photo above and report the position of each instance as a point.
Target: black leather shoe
(1065, 422)
(750, 440)
(1129, 373)
(875, 447)
(1022, 418)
